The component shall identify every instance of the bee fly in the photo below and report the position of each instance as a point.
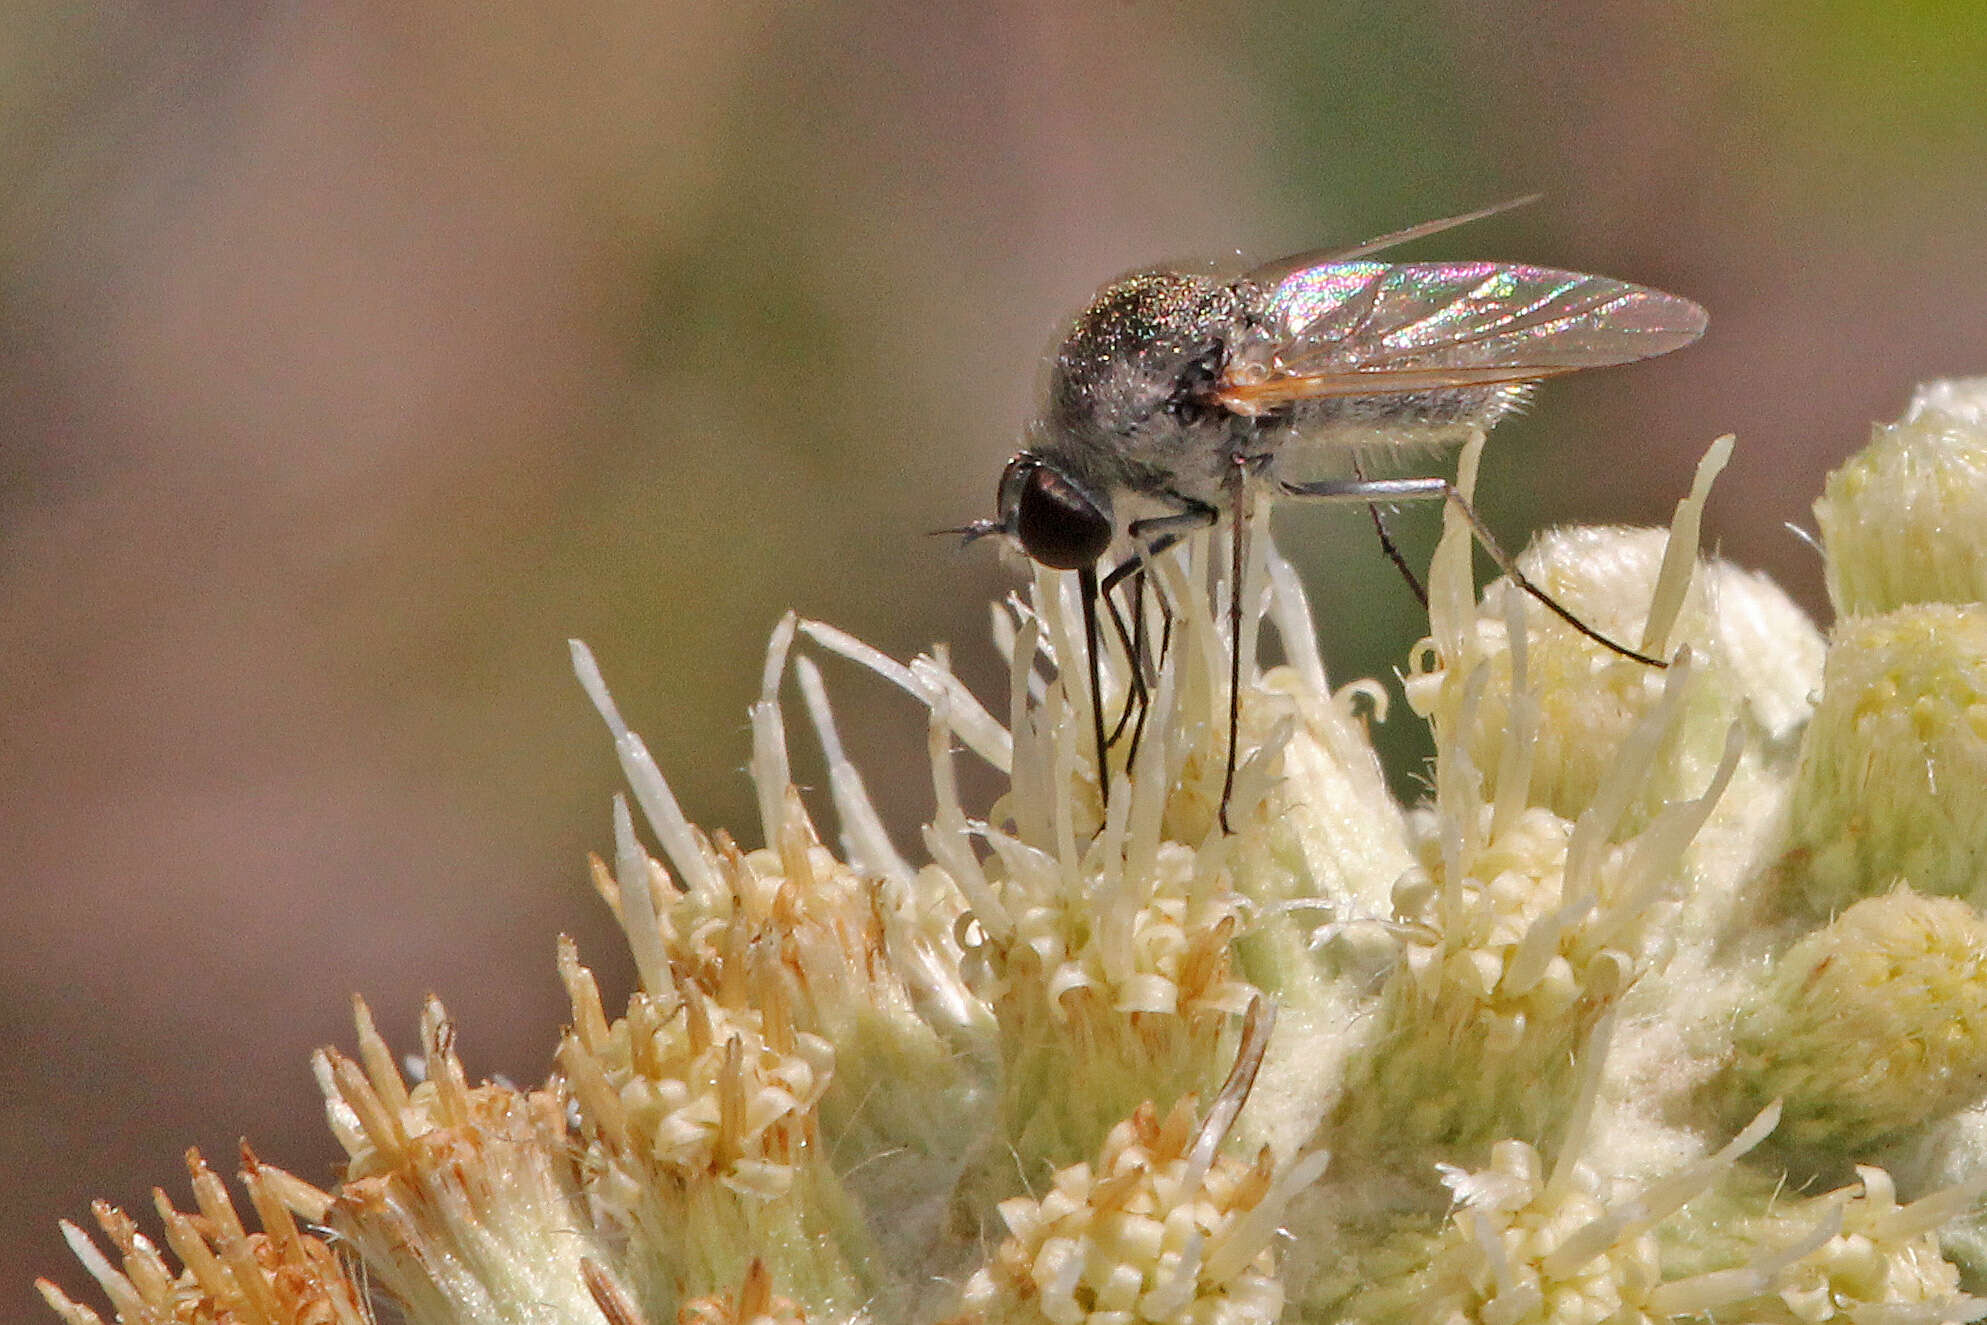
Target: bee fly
(1175, 397)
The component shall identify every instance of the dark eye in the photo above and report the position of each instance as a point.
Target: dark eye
(1057, 525)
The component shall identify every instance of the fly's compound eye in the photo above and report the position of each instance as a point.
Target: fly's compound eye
(1057, 525)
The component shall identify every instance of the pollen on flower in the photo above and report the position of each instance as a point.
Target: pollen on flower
(861, 1082)
(1105, 944)
(687, 1088)
(1522, 928)
(1514, 943)
(282, 1273)
(1133, 1237)
(753, 1302)
(1856, 1254)
(1162, 1228)
(1492, 985)
(459, 1198)
(800, 944)
(1529, 1243)
(1526, 1246)
(698, 1141)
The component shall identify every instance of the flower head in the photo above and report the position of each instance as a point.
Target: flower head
(1550, 1045)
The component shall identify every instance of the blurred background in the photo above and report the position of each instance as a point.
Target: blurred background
(356, 355)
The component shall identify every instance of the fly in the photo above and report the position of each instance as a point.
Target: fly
(1174, 397)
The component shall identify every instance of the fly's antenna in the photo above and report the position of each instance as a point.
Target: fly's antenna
(969, 533)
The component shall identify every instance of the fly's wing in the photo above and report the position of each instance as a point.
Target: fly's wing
(1374, 328)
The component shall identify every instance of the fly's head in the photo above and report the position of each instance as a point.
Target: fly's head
(1055, 520)
(1131, 409)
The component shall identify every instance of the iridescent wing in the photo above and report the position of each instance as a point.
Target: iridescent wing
(1375, 328)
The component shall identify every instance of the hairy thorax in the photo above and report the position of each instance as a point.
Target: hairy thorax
(1132, 412)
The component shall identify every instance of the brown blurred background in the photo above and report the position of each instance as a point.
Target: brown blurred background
(356, 355)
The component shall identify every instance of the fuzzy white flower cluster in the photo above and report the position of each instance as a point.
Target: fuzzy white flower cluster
(1669, 1003)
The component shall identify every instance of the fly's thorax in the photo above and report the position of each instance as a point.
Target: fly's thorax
(1128, 406)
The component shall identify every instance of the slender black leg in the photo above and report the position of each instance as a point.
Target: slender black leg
(1237, 494)
(1152, 536)
(1140, 659)
(1433, 489)
(1388, 545)
(1086, 584)
(1157, 533)
(1132, 641)
(1145, 693)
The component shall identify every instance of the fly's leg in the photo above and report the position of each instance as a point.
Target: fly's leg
(1159, 660)
(1145, 663)
(1441, 489)
(1152, 536)
(1156, 535)
(1086, 584)
(1238, 512)
(1138, 654)
(1388, 545)
(1131, 640)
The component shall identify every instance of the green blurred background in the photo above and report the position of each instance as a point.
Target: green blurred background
(356, 355)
